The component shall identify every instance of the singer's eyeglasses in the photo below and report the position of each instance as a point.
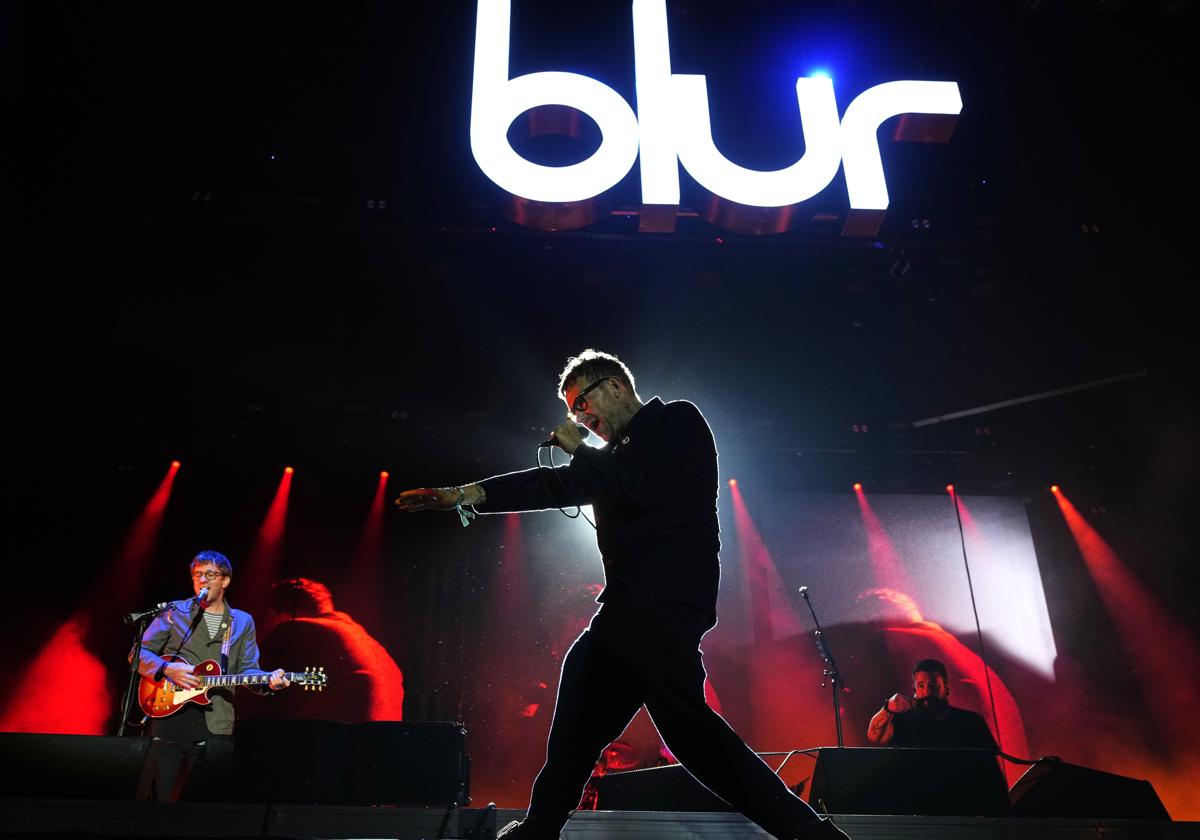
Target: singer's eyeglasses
(580, 404)
(209, 575)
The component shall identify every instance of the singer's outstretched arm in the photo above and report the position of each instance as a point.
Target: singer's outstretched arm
(541, 488)
(441, 498)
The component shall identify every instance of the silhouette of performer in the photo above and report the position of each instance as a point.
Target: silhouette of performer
(654, 491)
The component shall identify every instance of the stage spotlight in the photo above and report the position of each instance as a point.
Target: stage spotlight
(288, 470)
(733, 482)
(175, 465)
(949, 488)
(1053, 488)
(857, 486)
(383, 474)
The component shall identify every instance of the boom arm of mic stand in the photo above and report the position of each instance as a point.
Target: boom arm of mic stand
(831, 671)
(134, 618)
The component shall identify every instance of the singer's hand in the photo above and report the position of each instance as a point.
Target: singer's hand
(898, 704)
(181, 674)
(439, 498)
(428, 498)
(568, 437)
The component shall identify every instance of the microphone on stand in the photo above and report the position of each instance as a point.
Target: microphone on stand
(202, 595)
(130, 618)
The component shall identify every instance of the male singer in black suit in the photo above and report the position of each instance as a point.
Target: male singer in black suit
(653, 487)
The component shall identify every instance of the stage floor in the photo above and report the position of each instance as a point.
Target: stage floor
(84, 818)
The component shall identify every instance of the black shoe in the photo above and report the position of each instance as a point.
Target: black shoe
(530, 828)
(822, 829)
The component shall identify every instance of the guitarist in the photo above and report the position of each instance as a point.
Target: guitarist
(197, 629)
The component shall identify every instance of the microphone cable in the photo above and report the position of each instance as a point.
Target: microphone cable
(552, 467)
(662, 626)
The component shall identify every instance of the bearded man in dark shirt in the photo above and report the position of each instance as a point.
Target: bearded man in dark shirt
(928, 720)
(653, 488)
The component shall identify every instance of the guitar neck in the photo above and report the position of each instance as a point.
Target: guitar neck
(249, 679)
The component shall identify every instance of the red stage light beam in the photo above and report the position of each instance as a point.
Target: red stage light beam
(366, 568)
(46, 697)
(885, 560)
(1165, 650)
(133, 557)
(771, 606)
(263, 564)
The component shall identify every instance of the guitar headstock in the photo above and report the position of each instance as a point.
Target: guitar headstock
(313, 679)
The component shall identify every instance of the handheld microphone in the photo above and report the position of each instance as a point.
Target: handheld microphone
(202, 596)
(550, 441)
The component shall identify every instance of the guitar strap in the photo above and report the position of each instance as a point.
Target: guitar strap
(225, 643)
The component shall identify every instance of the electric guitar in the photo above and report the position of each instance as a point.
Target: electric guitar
(160, 698)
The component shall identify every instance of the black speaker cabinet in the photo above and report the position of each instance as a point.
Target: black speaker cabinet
(927, 782)
(669, 788)
(1058, 789)
(71, 766)
(325, 762)
(291, 761)
(410, 763)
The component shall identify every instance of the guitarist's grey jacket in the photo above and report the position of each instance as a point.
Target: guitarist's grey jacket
(181, 631)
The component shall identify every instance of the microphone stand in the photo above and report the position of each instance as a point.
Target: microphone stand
(140, 620)
(831, 673)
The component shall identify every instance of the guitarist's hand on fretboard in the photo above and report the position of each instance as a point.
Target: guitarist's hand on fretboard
(181, 674)
(278, 680)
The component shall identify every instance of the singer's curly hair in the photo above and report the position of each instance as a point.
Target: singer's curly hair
(216, 558)
(592, 365)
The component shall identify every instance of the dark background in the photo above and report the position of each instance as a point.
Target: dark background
(198, 273)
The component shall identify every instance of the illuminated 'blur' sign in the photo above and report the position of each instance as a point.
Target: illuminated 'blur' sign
(673, 124)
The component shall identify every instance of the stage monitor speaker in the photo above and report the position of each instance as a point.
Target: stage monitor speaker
(423, 763)
(71, 766)
(1058, 789)
(323, 762)
(925, 782)
(291, 761)
(669, 788)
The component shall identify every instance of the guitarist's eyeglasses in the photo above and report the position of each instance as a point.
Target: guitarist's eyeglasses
(209, 575)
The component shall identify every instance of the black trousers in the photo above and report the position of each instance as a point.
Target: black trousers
(620, 663)
(185, 760)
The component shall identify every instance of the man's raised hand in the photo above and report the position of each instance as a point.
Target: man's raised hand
(429, 498)
(440, 498)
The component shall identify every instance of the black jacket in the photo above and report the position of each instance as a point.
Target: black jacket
(654, 492)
